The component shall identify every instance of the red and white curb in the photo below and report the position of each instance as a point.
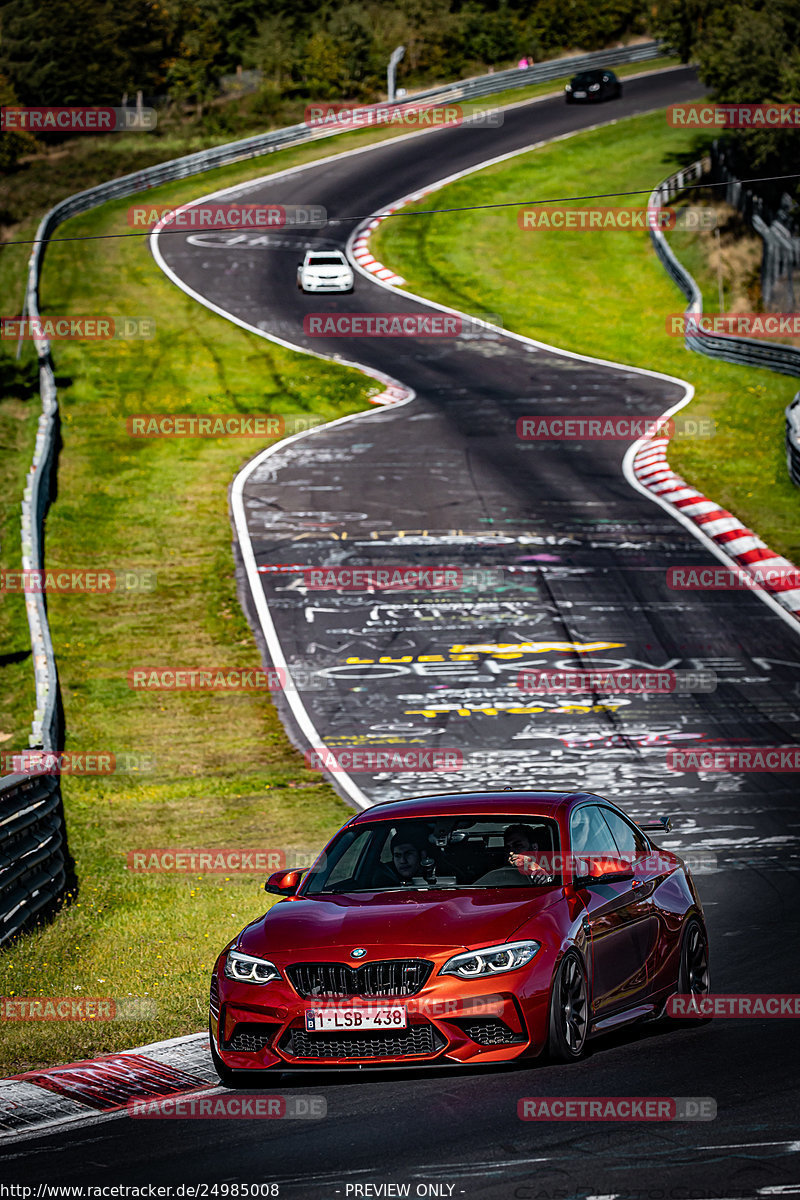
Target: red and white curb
(83, 1092)
(744, 548)
(362, 254)
(393, 394)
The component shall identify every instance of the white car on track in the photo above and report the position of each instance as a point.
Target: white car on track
(325, 271)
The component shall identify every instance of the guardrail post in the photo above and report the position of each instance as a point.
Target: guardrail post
(793, 439)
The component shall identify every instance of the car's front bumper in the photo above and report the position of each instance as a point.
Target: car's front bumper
(449, 1021)
(325, 285)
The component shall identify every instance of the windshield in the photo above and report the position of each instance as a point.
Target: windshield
(443, 852)
(325, 260)
(587, 77)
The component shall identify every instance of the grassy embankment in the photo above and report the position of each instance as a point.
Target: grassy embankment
(606, 294)
(225, 774)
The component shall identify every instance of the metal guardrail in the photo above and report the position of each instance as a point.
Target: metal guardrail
(34, 862)
(555, 68)
(746, 351)
(499, 81)
(35, 866)
(776, 226)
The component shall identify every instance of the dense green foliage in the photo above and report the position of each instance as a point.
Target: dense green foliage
(748, 51)
(93, 51)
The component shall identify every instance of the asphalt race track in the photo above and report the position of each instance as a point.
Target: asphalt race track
(565, 565)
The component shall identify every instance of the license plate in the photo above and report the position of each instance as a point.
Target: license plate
(580, 95)
(393, 1017)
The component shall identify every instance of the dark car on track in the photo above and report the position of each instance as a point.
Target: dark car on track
(591, 86)
(474, 928)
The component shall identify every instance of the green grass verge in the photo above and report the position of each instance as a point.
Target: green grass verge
(224, 771)
(606, 294)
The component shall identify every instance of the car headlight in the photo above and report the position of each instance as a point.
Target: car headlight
(568, 87)
(248, 969)
(494, 960)
(594, 87)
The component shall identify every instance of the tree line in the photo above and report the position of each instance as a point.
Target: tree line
(95, 51)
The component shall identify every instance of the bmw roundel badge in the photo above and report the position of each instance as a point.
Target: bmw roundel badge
(359, 952)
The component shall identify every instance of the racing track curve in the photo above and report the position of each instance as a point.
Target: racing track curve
(443, 480)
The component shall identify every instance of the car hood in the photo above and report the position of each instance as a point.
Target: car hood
(326, 272)
(393, 923)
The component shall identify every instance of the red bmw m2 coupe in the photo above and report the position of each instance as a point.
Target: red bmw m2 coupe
(474, 928)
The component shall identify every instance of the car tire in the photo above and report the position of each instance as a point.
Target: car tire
(693, 975)
(568, 1025)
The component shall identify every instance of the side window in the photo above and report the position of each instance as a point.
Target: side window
(628, 839)
(589, 833)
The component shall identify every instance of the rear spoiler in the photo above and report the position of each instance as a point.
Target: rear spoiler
(662, 825)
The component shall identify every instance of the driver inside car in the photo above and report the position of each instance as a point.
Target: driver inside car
(406, 858)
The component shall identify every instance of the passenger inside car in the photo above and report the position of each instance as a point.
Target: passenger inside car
(521, 845)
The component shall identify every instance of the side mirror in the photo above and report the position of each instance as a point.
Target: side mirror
(606, 870)
(661, 825)
(284, 883)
